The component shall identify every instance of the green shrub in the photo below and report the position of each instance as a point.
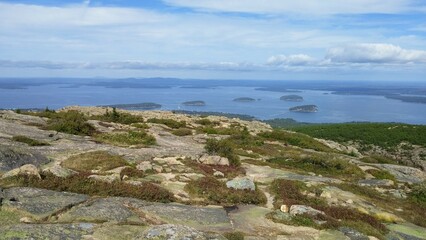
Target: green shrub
(168, 122)
(182, 132)
(125, 139)
(206, 122)
(140, 125)
(290, 193)
(99, 160)
(216, 192)
(118, 117)
(79, 183)
(29, 141)
(71, 122)
(222, 148)
(234, 235)
(418, 194)
(296, 139)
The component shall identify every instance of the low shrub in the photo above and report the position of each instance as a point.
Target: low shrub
(29, 141)
(99, 160)
(234, 235)
(118, 117)
(79, 183)
(182, 132)
(223, 148)
(125, 139)
(168, 122)
(216, 192)
(418, 194)
(228, 171)
(321, 164)
(378, 159)
(381, 174)
(290, 193)
(140, 125)
(71, 122)
(206, 122)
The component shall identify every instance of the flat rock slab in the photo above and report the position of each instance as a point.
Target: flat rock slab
(170, 231)
(266, 174)
(212, 218)
(39, 203)
(404, 174)
(102, 210)
(130, 210)
(14, 157)
(46, 231)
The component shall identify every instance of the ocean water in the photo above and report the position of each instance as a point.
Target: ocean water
(332, 108)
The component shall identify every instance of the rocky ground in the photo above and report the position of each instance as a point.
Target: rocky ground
(175, 163)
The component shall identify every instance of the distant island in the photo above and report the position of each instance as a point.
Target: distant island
(292, 98)
(244, 99)
(136, 106)
(194, 103)
(412, 99)
(277, 89)
(305, 109)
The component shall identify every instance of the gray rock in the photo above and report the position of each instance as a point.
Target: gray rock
(144, 166)
(12, 158)
(45, 231)
(101, 210)
(241, 183)
(39, 203)
(213, 160)
(376, 182)
(178, 232)
(59, 171)
(405, 174)
(302, 209)
(353, 234)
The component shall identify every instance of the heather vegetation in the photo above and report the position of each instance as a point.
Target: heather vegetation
(125, 139)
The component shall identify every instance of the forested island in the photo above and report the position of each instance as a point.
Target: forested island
(194, 103)
(305, 109)
(292, 98)
(136, 106)
(244, 99)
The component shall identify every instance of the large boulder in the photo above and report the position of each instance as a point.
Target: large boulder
(46, 231)
(213, 160)
(241, 183)
(302, 209)
(11, 158)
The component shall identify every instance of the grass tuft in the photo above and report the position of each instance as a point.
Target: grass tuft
(99, 160)
(126, 139)
(29, 141)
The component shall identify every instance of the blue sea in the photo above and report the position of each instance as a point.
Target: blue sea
(333, 108)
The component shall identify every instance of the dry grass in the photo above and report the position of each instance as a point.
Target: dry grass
(99, 160)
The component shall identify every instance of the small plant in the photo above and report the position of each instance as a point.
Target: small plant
(99, 160)
(125, 139)
(206, 122)
(223, 148)
(168, 122)
(182, 132)
(29, 141)
(418, 194)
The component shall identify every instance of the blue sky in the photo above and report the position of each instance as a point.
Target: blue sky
(225, 39)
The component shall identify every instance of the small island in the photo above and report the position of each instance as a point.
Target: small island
(244, 99)
(136, 106)
(292, 98)
(194, 103)
(305, 109)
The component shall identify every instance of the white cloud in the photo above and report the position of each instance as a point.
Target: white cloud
(311, 7)
(375, 53)
(291, 60)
